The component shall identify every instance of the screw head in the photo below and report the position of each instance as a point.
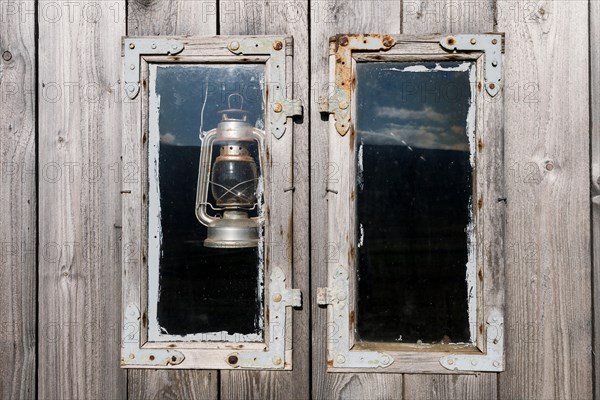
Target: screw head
(496, 364)
(341, 359)
(343, 104)
(450, 41)
(235, 45)
(154, 45)
(7, 56)
(341, 296)
(132, 67)
(277, 45)
(494, 41)
(451, 361)
(277, 107)
(232, 359)
(492, 86)
(132, 45)
(494, 63)
(473, 41)
(277, 297)
(549, 166)
(131, 356)
(174, 47)
(388, 41)
(276, 360)
(343, 41)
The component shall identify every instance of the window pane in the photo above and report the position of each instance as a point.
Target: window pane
(209, 293)
(414, 187)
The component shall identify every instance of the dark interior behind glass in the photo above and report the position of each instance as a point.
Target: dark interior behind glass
(414, 188)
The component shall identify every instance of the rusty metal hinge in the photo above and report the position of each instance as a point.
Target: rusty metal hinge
(133, 48)
(341, 46)
(491, 44)
(280, 107)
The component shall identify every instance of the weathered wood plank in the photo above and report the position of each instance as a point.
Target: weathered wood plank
(448, 16)
(548, 268)
(595, 186)
(245, 17)
(173, 384)
(182, 17)
(327, 19)
(365, 386)
(17, 200)
(442, 387)
(80, 142)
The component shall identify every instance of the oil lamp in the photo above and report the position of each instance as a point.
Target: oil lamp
(229, 170)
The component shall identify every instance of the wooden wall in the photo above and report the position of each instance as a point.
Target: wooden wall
(61, 173)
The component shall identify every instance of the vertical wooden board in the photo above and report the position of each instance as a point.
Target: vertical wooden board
(448, 16)
(173, 384)
(241, 17)
(80, 143)
(548, 317)
(442, 387)
(595, 184)
(364, 386)
(179, 17)
(17, 200)
(329, 18)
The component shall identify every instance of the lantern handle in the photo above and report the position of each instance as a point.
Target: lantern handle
(241, 101)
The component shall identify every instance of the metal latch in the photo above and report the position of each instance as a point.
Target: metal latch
(491, 44)
(133, 48)
(280, 107)
(339, 350)
(327, 296)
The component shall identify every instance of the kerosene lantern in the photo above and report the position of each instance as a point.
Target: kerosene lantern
(232, 178)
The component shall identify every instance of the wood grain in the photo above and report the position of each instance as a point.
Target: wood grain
(595, 184)
(442, 387)
(239, 17)
(451, 16)
(17, 202)
(181, 17)
(79, 270)
(548, 268)
(173, 384)
(327, 19)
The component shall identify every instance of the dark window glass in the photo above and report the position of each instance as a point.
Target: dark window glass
(202, 289)
(414, 187)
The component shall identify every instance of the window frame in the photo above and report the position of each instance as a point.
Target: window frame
(343, 353)
(275, 352)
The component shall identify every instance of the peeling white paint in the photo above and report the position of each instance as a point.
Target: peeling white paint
(462, 67)
(155, 331)
(154, 225)
(361, 239)
(471, 275)
(360, 167)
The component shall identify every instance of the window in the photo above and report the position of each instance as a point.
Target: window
(205, 269)
(415, 204)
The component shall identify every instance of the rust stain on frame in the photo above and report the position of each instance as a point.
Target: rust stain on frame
(342, 46)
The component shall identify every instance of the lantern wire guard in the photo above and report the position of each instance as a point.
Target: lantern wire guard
(233, 180)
